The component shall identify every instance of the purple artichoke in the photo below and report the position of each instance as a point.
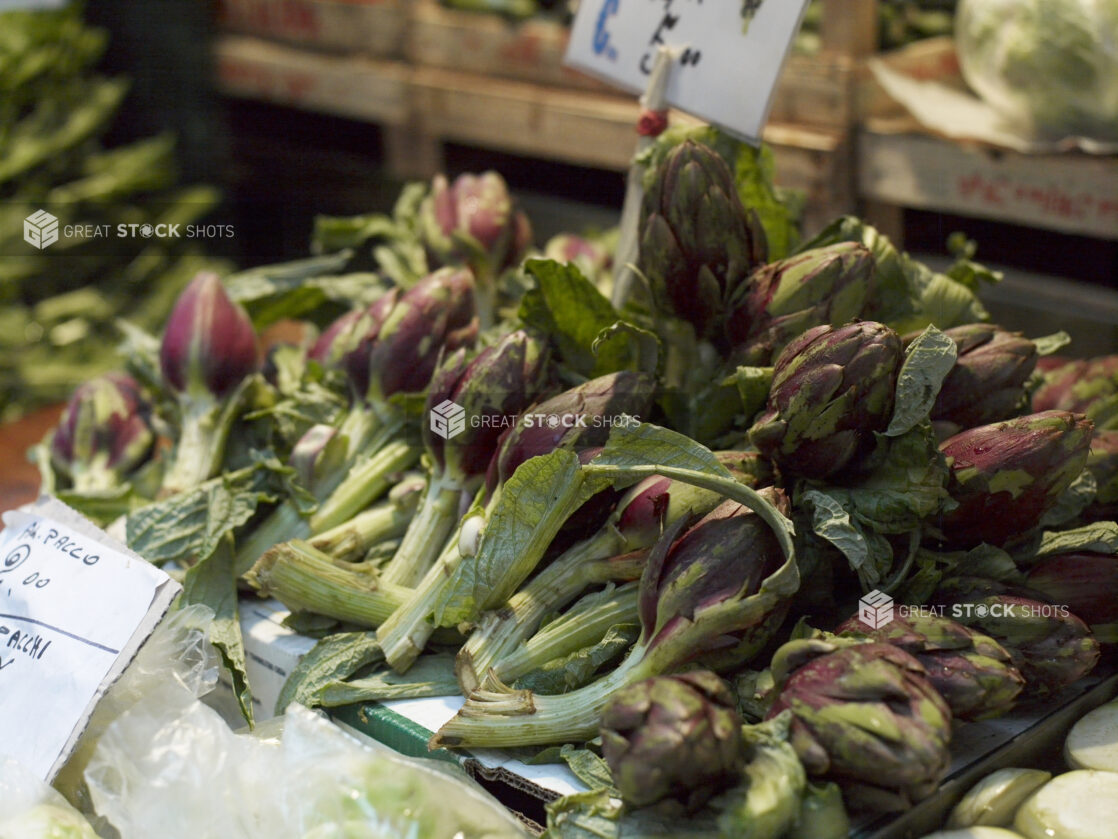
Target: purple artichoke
(104, 433)
(783, 299)
(697, 242)
(987, 383)
(1007, 475)
(209, 345)
(831, 389)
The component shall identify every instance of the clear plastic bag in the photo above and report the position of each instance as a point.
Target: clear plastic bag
(29, 809)
(171, 767)
(177, 653)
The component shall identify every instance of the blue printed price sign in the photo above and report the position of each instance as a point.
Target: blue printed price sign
(75, 606)
(730, 52)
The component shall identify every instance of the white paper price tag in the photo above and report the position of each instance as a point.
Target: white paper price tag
(75, 606)
(731, 52)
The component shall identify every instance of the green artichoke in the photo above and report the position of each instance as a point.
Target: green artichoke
(970, 670)
(1085, 386)
(697, 242)
(866, 717)
(832, 389)
(673, 737)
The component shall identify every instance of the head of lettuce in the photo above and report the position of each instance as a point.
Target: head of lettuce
(1048, 66)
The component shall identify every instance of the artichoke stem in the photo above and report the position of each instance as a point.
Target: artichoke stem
(427, 533)
(350, 541)
(305, 579)
(403, 636)
(567, 635)
(201, 446)
(364, 484)
(505, 718)
(554, 587)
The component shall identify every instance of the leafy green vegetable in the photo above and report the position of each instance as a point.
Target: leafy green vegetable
(927, 362)
(333, 659)
(212, 582)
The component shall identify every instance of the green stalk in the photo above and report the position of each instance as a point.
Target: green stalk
(569, 633)
(403, 636)
(554, 587)
(200, 448)
(360, 426)
(305, 579)
(286, 523)
(364, 483)
(504, 717)
(427, 533)
(351, 541)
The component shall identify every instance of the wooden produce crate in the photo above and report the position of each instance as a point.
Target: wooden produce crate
(594, 130)
(355, 87)
(370, 27)
(814, 90)
(1068, 192)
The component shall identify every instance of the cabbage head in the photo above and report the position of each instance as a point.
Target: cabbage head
(1048, 66)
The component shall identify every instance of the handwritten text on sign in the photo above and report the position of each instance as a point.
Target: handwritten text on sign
(730, 52)
(74, 608)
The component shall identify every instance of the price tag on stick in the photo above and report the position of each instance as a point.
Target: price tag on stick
(75, 607)
(730, 52)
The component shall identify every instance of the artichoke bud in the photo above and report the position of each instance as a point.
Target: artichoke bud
(673, 737)
(473, 218)
(987, 383)
(493, 389)
(1078, 386)
(1087, 583)
(104, 432)
(656, 501)
(1049, 645)
(581, 417)
(866, 717)
(591, 257)
(832, 389)
(697, 241)
(437, 314)
(209, 344)
(972, 671)
(783, 299)
(1007, 475)
(722, 559)
(348, 342)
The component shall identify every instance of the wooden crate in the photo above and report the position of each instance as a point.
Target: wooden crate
(361, 88)
(1068, 193)
(816, 90)
(594, 130)
(487, 44)
(369, 27)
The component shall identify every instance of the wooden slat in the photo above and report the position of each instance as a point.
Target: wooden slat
(527, 51)
(1071, 193)
(370, 27)
(354, 87)
(850, 27)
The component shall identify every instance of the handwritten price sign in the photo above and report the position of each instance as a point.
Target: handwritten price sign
(730, 52)
(74, 609)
